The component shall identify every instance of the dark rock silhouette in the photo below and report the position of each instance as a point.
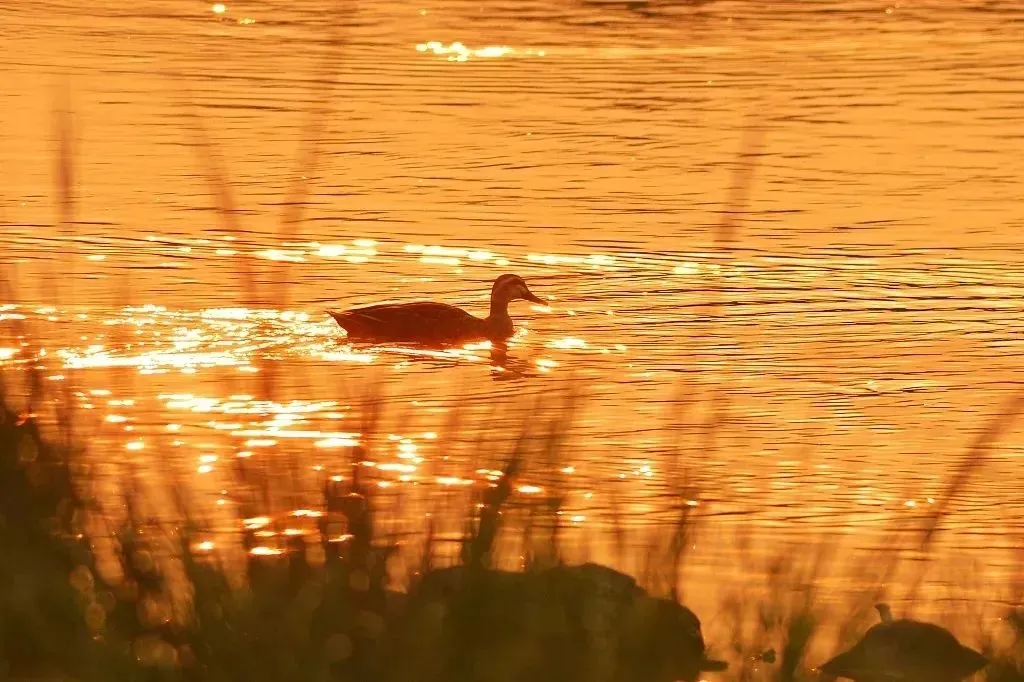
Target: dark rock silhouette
(583, 623)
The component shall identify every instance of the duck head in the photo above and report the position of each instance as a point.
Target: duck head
(509, 288)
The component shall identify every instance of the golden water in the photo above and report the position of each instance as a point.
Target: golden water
(873, 313)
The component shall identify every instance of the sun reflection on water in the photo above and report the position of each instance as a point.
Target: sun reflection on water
(216, 434)
(458, 52)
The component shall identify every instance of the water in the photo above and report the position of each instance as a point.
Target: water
(872, 318)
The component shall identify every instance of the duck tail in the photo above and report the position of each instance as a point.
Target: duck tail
(344, 320)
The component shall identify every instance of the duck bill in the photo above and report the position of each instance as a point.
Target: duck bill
(529, 296)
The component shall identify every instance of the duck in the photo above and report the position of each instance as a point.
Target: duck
(437, 324)
(906, 650)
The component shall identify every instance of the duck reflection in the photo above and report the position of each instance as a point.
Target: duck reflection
(504, 368)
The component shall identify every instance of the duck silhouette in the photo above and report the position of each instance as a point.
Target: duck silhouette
(905, 650)
(437, 324)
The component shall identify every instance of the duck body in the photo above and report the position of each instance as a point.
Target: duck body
(436, 324)
(906, 650)
(424, 322)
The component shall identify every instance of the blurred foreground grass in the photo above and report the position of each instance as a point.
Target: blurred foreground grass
(149, 600)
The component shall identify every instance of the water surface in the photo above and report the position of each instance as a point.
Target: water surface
(873, 303)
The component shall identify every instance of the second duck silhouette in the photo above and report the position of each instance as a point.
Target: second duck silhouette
(905, 650)
(437, 324)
